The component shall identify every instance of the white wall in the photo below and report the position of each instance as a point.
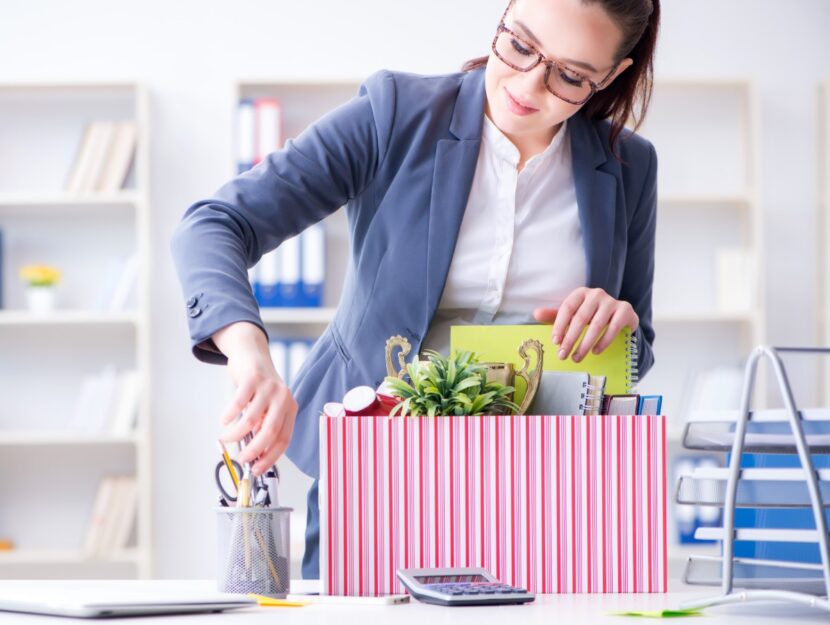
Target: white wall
(189, 53)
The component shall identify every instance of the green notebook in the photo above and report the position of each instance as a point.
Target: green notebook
(500, 343)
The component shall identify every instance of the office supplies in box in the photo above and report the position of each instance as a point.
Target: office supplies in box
(551, 503)
(554, 504)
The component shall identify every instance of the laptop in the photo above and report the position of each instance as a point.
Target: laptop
(112, 598)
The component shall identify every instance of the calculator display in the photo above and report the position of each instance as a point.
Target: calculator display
(450, 579)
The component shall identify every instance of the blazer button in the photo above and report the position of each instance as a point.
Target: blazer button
(195, 312)
(192, 302)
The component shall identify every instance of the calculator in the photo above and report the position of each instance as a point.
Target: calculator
(460, 586)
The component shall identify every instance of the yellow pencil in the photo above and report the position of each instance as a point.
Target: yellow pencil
(266, 601)
(229, 464)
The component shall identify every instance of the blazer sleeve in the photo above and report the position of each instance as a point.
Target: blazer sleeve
(220, 238)
(638, 274)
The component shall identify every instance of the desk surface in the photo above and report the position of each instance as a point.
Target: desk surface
(547, 609)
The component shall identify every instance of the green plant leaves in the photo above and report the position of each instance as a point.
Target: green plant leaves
(455, 385)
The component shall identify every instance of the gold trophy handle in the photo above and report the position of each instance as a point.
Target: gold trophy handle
(531, 377)
(391, 343)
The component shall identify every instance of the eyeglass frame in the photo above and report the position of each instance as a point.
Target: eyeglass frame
(548, 62)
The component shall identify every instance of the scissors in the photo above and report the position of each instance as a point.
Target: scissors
(227, 475)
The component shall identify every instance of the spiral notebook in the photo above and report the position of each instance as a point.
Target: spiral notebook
(567, 393)
(500, 343)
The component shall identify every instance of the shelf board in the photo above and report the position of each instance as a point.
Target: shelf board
(704, 317)
(66, 556)
(67, 317)
(58, 437)
(297, 315)
(11, 201)
(681, 199)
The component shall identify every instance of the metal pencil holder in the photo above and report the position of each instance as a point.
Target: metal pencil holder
(254, 550)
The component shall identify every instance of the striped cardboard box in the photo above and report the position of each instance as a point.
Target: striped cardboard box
(555, 504)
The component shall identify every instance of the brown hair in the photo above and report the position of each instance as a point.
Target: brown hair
(639, 21)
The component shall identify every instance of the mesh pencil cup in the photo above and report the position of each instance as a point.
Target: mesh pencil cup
(254, 550)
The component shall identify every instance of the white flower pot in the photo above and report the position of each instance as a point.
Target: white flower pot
(40, 300)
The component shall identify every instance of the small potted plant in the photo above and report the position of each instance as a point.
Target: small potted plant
(41, 281)
(455, 385)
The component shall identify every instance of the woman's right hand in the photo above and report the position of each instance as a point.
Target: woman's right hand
(267, 406)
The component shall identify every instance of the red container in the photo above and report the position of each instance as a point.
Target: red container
(361, 401)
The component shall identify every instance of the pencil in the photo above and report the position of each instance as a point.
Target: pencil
(229, 464)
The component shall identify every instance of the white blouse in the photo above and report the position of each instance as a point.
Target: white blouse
(520, 242)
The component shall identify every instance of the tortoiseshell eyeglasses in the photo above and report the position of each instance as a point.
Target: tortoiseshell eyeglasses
(562, 81)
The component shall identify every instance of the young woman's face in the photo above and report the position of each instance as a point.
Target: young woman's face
(579, 35)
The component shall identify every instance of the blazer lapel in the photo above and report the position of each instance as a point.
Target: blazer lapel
(596, 198)
(455, 165)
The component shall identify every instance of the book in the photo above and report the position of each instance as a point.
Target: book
(297, 354)
(245, 129)
(119, 157)
(125, 403)
(500, 343)
(266, 276)
(650, 404)
(269, 132)
(99, 518)
(621, 404)
(313, 265)
(560, 393)
(288, 357)
(100, 142)
(79, 175)
(289, 272)
(122, 517)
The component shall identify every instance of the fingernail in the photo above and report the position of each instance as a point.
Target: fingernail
(562, 354)
(555, 340)
(577, 357)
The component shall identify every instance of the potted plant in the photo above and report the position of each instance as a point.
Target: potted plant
(454, 385)
(41, 281)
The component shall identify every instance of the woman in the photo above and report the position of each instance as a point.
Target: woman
(505, 193)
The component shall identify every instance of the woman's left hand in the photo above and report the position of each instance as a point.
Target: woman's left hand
(587, 307)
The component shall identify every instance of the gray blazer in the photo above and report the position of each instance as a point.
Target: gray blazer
(401, 157)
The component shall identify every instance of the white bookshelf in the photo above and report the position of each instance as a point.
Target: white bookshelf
(46, 357)
(823, 230)
(706, 135)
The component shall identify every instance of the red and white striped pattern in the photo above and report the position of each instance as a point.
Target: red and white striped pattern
(555, 504)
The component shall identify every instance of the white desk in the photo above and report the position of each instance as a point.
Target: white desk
(546, 610)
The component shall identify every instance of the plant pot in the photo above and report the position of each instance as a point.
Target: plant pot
(40, 300)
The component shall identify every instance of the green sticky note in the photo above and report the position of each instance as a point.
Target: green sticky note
(659, 613)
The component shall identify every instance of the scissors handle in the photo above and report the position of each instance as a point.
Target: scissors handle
(220, 484)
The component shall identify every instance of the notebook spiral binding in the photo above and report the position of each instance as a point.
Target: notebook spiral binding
(585, 396)
(593, 398)
(632, 369)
